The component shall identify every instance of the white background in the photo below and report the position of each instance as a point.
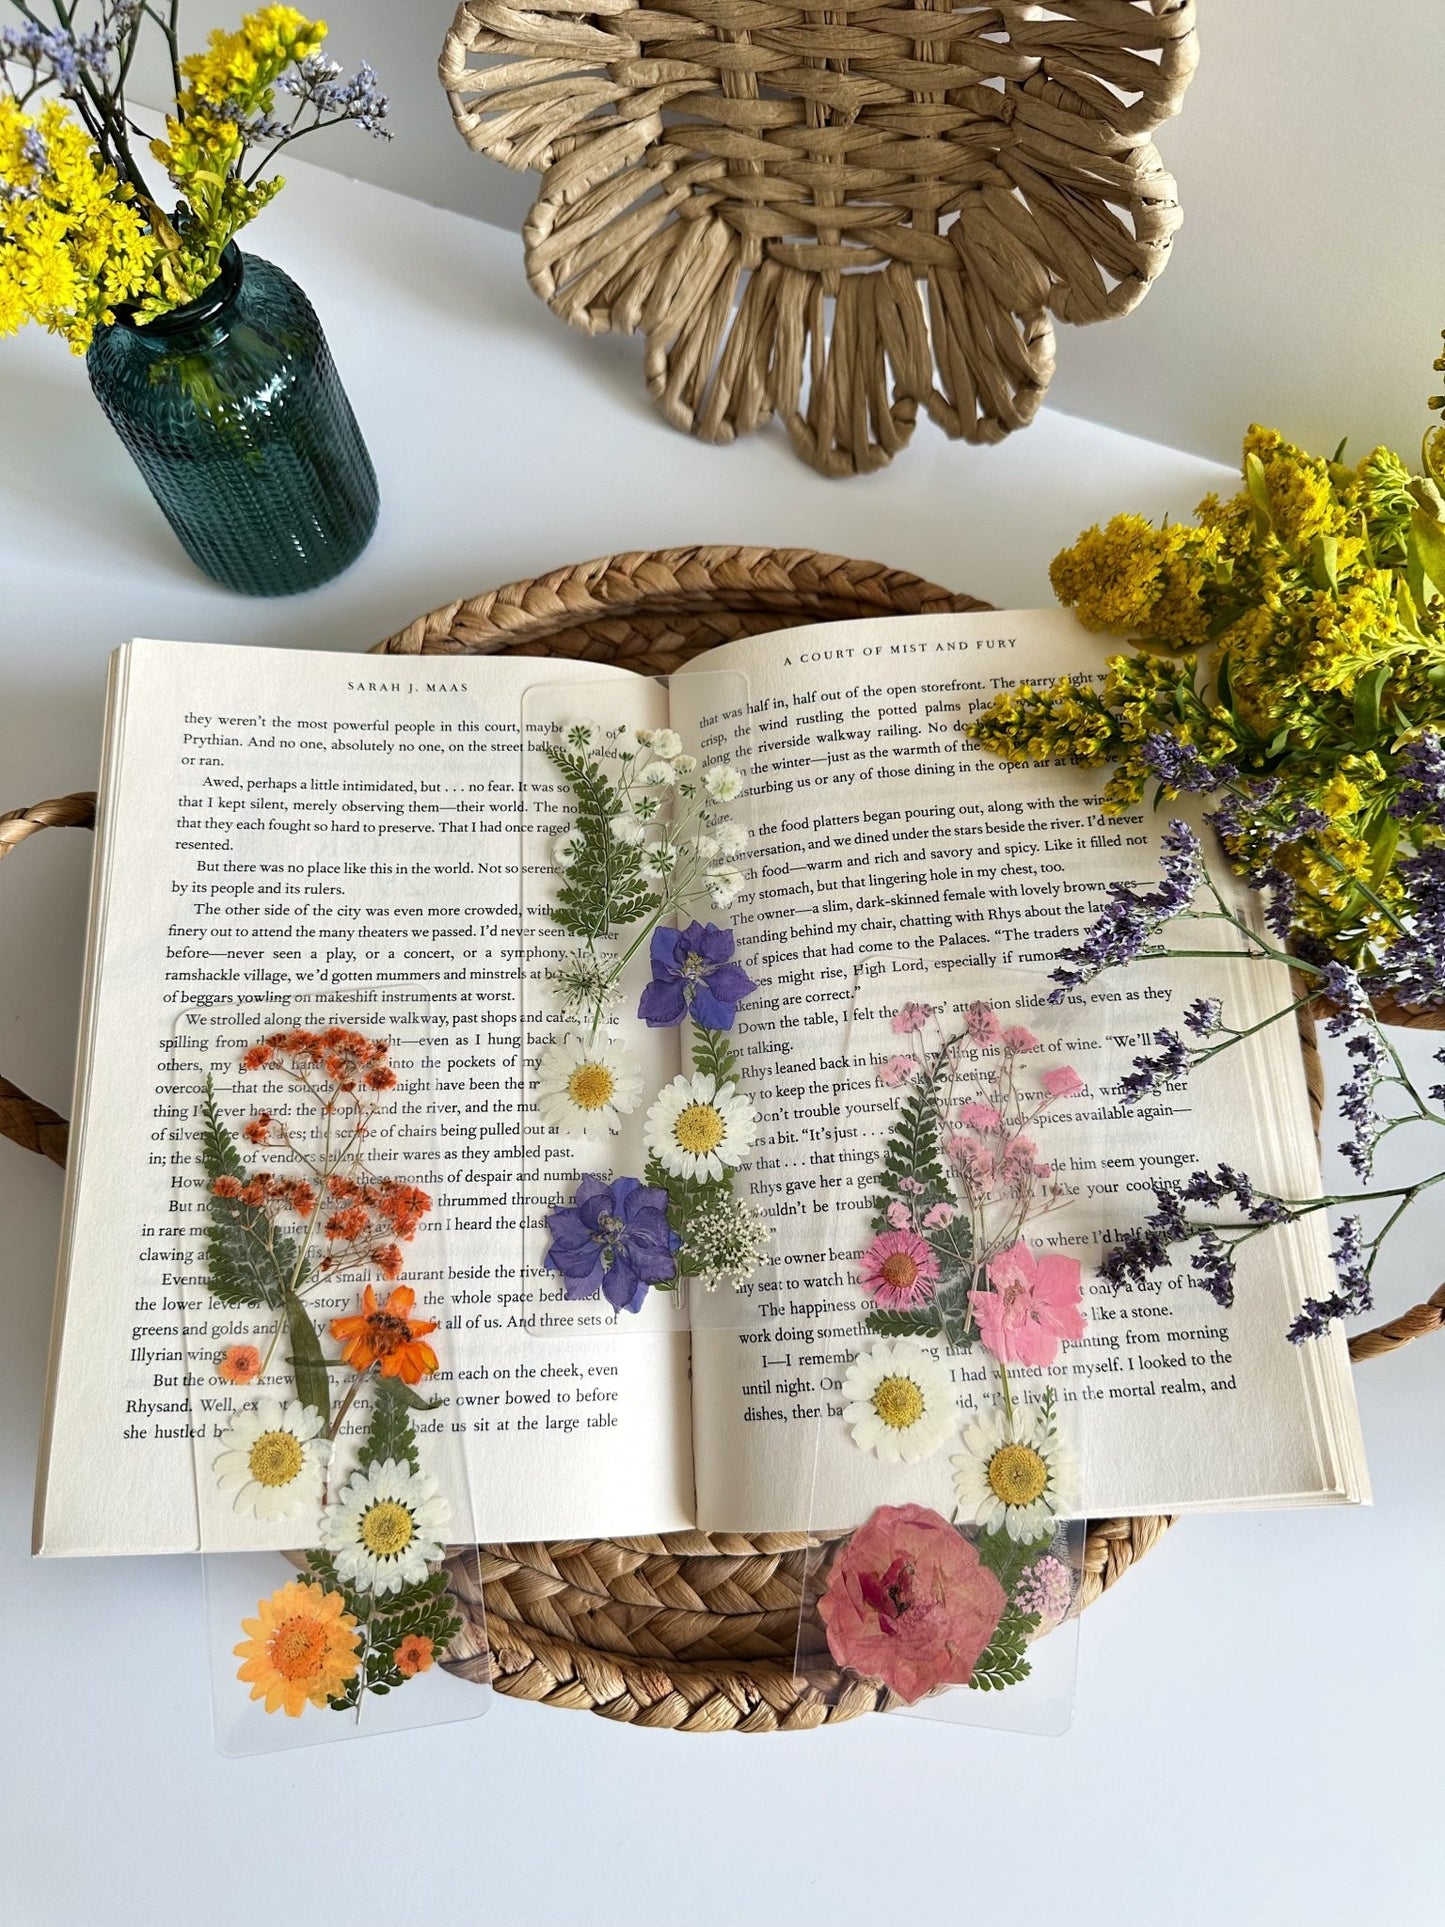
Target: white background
(1259, 1727)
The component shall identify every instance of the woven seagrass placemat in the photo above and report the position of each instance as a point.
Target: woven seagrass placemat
(692, 1630)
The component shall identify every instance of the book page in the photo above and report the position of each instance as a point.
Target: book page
(889, 851)
(278, 822)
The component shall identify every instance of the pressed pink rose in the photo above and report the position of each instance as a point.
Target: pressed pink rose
(939, 1215)
(896, 1071)
(909, 1602)
(1019, 1037)
(899, 1215)
(982, 1024)
(899, 1270)
(1064, 1081)
(980, 1117)
(912, 1017)
(1033, 1304)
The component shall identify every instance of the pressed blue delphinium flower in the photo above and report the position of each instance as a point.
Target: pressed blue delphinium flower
(1131, 916)
(613, 1238)
(693, 975)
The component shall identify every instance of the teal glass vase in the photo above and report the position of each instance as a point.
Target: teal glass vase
(233, 412)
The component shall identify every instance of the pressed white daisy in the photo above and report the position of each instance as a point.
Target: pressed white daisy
(385, 1527)
(723, 885)
(274, 1458)
(1023, 1479)
(659, 776)
(627, 829)
(585, 1088)
(898, 1398)
(566, 850)
(729, 836)
(667, 743)
(659, 860)
(722, 782)
(697, 1130)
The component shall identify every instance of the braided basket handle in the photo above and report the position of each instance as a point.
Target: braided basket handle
(37, 1128)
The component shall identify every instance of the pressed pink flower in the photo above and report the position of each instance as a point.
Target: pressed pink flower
(1020, 1161)
(1045, 1589)
(896, 1071)
(1020, 1038)
(972, 1159)
(980, 1117)
(899, 1215)
(1063, 1081)
(909, 1602)
(939, 1215)
(899, 1271)
(982, 1024)
(912, 1017)
(912, 1185)
(1033, 1303)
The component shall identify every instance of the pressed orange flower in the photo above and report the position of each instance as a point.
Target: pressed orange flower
(239, 1364)
(255, 1131)
(301, 1649)
(413, 1656)
(387, 1336)
(227, 1187)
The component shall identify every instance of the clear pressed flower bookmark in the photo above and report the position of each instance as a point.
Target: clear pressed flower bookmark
(638, 1117)
(952, 1402)
(320, 1351)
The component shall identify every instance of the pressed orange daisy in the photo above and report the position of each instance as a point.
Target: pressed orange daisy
(239, 1364)
(301, 1650)
(413, 1656)
(387, 1336)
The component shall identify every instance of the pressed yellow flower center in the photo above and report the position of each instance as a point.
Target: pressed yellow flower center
(1017, 1474)
(898, 1402)
(700, 1129)
(591, 1086)
(276, 1458)
(387, 1529)
(899, 1270)
(298, 1648)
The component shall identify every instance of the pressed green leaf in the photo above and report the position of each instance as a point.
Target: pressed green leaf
(904, 1324)
(248, 1261)
(1427, 538)
(1003, 1661)
(604, 890)
(308, 1367)
(1368, 692)
(1006, 1559)
(391, 1435)
(713, 1055)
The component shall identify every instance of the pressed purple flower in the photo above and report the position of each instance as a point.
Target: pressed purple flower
(1152, 1074)
(613, 1238)
(1132, 916)
(1354, 1294)
(1413, 967)
(1179, 766)
(693, 975)
(1421, 771)
(1204, 1016)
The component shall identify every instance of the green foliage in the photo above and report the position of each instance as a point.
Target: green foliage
(385, 1621)
(714, 1056)
(1006, 1558)
(913, 1153)
(905, 1324)
(1004, 1660)
(685, 1198)
(308, 1367)
(604, 889)
(248, 1262)
(391, 1435)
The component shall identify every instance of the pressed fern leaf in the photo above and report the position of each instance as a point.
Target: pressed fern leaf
(248, 1261)
(604, 889)
(714, 1056)
(1004, 1660)
(391, 1435)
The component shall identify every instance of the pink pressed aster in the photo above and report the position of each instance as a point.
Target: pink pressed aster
(982, 1024)
(1033, 1303)
(910, 1603)
(899, 1271)
(1064, 1081)
(980, 1117)
(912, 1018)
(896, 1071)
(1020, 1038)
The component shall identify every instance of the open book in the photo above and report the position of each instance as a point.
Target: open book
(295, 820)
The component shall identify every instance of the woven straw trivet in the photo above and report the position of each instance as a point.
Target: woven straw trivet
(842, 216)
(690, 1630)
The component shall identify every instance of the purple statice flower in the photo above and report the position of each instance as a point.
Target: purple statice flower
(34, 152)
(1213, 1264)
(1131, 916)
(317, 81)
(1421, 770)
(693, 975)
(1152, 1074)
(1357, 1101)
(1342, 987)
(1206, 1187)
(1204, 1016)
(613, 1238)
(1145, 1248)
(1179, 766)
(1044, 1589)
(1354, 1294)
(1413, 966)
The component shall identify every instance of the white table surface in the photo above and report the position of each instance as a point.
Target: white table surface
(1258, 1733)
